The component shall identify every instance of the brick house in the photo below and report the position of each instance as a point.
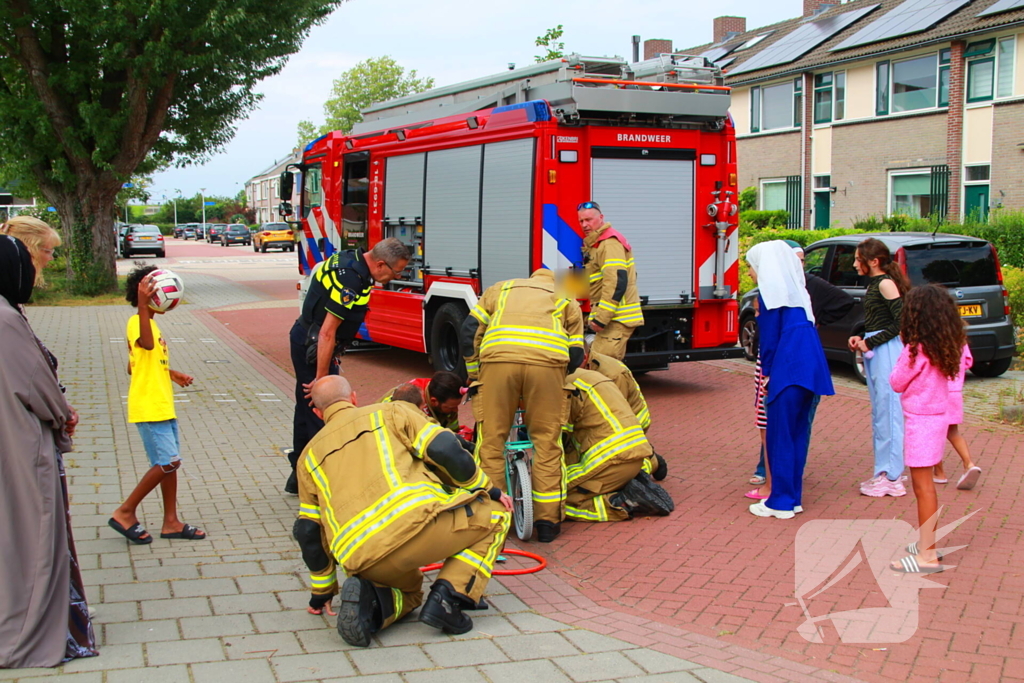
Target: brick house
(261, 190)
(872, 107)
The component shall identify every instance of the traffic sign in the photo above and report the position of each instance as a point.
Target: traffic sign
(210, 203)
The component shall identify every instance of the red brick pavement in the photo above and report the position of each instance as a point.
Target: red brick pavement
(713, 584)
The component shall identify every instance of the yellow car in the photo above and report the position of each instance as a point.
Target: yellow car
(273, 236)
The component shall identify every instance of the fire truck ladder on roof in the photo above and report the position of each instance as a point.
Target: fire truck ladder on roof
(669, 89)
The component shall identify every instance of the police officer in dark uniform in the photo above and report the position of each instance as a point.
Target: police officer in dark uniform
(333, 311)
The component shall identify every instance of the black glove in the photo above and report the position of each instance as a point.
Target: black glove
(317, 602)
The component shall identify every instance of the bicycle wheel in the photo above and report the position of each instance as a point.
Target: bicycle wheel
(522, 499)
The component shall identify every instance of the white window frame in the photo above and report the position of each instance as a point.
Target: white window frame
(760, 195)
(892, 84)
(925, 171)
(977, 182)
(791, 82)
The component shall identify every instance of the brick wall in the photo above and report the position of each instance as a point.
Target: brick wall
(726, 25)
(955, 126)
(864, 153)
(812, 6)
(655, 46)
(1007, 158)
(767, 156)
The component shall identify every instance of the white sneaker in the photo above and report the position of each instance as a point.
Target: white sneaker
(872, 481)
(762, 510)
(797, 509)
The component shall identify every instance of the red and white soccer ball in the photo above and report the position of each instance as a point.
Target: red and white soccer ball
(169, 291)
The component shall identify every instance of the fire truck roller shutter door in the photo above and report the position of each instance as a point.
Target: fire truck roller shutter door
(451, 224)
(506, 211)
(403, 187)
(650, 201)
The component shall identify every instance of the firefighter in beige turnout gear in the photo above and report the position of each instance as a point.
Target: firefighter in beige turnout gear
(519, 340)
(620, 375)
(382, 492)
(608, 265)
(605, 456)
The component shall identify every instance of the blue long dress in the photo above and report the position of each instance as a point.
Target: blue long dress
(794, 362)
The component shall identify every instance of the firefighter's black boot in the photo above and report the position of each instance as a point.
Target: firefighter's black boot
(359, 617)
(291, 486)
(443, 609)
(662, 470)
(547, 531)
(641, 496)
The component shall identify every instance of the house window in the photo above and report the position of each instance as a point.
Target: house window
(911, 193)
(882, 88)
(829, 97)
(823, 94)
(945, 57)
(840, 106)
(990, 69)
(773, 194)
(776, 107)
(915, 84)
(977, 174)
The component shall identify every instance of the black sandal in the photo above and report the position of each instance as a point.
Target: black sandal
(188, 533)
(134, 533)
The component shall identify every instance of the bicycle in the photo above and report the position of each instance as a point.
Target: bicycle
(518, 481)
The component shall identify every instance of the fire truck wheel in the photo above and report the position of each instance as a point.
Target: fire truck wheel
(748, 337)
(445, 353)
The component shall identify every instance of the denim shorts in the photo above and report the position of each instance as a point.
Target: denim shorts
(161, 441)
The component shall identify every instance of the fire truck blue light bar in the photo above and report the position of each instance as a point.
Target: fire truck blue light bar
(1001, 6)
(913, 16)
(801, 41)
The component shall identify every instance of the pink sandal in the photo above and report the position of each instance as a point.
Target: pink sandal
(755, 494)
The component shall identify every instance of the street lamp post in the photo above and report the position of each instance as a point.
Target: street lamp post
(175, 200)
(202, 194)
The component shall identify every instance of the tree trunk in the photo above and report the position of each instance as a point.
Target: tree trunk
(90, 240)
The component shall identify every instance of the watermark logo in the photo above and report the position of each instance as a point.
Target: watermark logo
(832, 553)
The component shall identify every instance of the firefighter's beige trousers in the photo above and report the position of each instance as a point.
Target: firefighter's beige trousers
(470, 542)
(540, 386)
(588, 498)
(611, 341)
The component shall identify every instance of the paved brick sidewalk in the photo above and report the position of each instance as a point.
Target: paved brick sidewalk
(232, 607)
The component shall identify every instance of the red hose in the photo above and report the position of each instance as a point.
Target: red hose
(541, 564)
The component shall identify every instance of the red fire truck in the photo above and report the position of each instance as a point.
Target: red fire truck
(481, 180)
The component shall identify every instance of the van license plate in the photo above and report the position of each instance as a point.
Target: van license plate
(971, 311)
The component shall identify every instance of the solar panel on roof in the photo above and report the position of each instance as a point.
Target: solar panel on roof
(716, 53)
(1001, 6)
(913, 16)
(725, 62)
(801, 41)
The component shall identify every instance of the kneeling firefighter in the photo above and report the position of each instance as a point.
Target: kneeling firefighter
(383, 491)
(605, 455)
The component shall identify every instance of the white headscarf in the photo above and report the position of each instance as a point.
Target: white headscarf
(780, 278)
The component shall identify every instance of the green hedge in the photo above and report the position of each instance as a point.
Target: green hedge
(1013, 279)
(760, 220)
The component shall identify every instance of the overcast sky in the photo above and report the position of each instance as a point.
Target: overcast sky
(452, 41)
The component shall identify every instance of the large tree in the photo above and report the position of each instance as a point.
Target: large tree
(95, 91)
(374, 80)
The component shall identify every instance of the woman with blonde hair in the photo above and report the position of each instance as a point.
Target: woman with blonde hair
(39, 237)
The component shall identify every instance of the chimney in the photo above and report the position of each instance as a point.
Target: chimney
(812, 7)
(726, 25)
(655, 47)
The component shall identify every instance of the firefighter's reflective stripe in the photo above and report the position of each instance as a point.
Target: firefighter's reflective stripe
(475, 561)
(473, 367)
(537, 337)
(574, 339)
(479, 481)
(399, 600)
(480, 314)
(322, 583)
(647, 466)
(424, 437)
(598, 514)
(644, 417)
(309, 512)
(552, 497)
(606, 449)
(628, 313)
(325, 492)
(610, 264)
(600, 404)
(386, 510)
(384, 450)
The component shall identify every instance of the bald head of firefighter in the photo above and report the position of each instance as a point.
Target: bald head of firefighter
(384, 491)
(608, 265)
(332, 314)
(519, 340)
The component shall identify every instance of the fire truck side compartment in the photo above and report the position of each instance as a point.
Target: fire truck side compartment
(403, 188)
(505, 216)
(651, 202)
(453, 203)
